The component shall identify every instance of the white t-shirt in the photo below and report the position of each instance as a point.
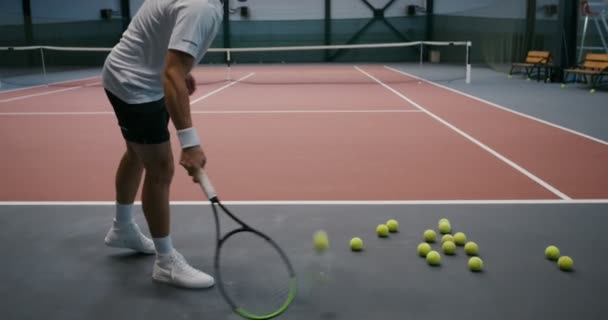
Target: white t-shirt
(133, 69)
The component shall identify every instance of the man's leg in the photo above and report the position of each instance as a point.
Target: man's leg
(157, 159)
(145, 128)
(124, 232)
(128, 176)
(170, 266)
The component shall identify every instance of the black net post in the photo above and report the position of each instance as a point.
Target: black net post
(565, 53)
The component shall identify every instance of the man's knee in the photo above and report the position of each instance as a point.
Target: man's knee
(160, 172)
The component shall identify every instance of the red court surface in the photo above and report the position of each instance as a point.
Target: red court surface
(361, 133)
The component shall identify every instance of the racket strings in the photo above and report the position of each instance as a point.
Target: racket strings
(253, 274)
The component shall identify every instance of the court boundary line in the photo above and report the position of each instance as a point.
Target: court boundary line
(493, 152)
(104, 113)
(226, 86)
(34, 95)
(97, 83)
(322, 202)
(45, 85)
(492, 104)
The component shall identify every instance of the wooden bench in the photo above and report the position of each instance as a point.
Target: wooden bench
(595, 67)
(536, 60)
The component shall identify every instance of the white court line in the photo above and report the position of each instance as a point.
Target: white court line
(48, 92)
(40, 94)
(45, 85)
(96, 83)
(96, 113)
(475, 141)
(323, 202)
(308, 111)
(501, 107)
(221, 88)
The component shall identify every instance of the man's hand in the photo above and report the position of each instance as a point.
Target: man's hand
(193, 159)
(190, 84)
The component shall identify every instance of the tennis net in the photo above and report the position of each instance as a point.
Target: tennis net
(322, 64)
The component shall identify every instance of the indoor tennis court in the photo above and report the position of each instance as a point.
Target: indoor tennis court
(337, 117)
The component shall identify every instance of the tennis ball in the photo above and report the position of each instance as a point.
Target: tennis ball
(475, 264)
(356, 244)
(460, 239)
(443, 220)
(382, 230)
(445, 228)
(563, 85)
(430, 235)
(448, 247)
(592, 90)
(423, 249)
(321, 241)
(393, 225)
(552, 253)
(433, 258)
(528, 79)
(565, 263)
(471, 248)
(447, 237)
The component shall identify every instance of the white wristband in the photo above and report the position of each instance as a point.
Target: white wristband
(188, 138)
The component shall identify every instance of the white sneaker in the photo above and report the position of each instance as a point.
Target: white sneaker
(129, 236)
(172, 268)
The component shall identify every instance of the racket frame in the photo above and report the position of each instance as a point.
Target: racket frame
(221, 239)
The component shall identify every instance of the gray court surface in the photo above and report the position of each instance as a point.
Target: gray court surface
(55, 265)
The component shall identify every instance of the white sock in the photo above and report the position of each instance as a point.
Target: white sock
(124, 213)
(163, 245)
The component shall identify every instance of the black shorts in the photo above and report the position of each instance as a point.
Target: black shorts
(145, 123)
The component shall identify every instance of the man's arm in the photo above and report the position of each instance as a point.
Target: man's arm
(177, 91)
(177, 68)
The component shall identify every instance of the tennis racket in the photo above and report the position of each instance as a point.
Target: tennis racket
(253, 273)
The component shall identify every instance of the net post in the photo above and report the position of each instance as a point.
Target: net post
(46, 81)
(468, 62)
(229, 62)
(421, 52)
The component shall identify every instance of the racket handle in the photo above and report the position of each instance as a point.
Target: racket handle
(206, 185)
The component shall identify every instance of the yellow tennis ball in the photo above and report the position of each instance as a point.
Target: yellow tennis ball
(443, 220)
(356, 244)
(460, 238)
(447, 237)
(448, 247)
(563, 86)
(552, 253)
(592, 90)
(321, 241)
(565, 263)
(393, 225)
(382, 230)
(471, 248)
(475, 264)
(424, 248)
(430, 235)
(445, 228)
(433, 258)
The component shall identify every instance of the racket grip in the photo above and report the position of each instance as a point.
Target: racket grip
(206, 185)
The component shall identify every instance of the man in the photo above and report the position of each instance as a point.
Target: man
(148, 82)
(586, 11)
